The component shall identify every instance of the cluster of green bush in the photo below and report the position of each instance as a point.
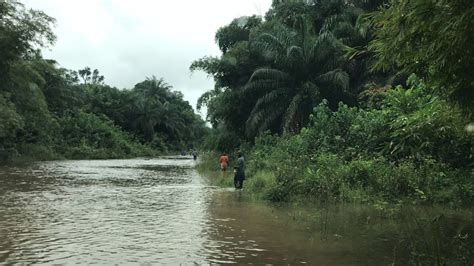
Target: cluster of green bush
(87, 135)
(412, 147)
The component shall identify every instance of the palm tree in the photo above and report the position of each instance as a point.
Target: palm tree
(304, 68)
(352, 25)
(159, 110)
(154, 88)
(148, 113)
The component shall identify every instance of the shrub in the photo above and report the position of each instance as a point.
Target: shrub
(90, 136)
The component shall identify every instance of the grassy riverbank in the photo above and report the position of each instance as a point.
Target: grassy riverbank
(383, 187)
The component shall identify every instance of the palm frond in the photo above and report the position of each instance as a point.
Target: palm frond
(270, 118)
(355, 52)
(258, 86)
(291, 112)
(363, 25)
(325, 44)
(268, 98)
(295, 54)
(325, 37)
(269, 42)
(268, 74)
(331, 22)
(337, 77)
(344, 29)
(331, 62)
(260, 119)
(311, 91)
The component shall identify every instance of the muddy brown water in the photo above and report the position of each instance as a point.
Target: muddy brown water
(163, 211)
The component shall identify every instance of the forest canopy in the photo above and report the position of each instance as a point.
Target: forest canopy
(274, 70)
(49, 112)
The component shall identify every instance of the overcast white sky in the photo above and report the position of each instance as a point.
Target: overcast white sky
(129, 40)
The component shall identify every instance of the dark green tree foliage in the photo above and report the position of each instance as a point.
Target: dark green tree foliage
(21, 84)
(226, 104)
(90, 77)
(288, 13)
(86, 135)
(157, 108)
(237, 31)
(299, 76)
(11, 123)
(433, 38)
(272, 73)
(21, 31)
(151, 111)
(47, 112)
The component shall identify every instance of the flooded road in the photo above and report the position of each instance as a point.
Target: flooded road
(162, 211)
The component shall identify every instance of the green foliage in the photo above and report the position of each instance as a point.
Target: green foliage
(299, 76)
(22, 31)
(221, 139)
(238, 30)
(272, 73)
(48, 112)
(263, 184)
(432, 38)
(90, 136)
(11, 121)
(375, 137)
(415, 148)
(424, 124)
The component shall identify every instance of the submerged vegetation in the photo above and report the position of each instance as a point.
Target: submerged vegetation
(47, 112)
(348, 101)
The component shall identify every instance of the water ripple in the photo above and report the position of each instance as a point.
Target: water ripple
(144, 211)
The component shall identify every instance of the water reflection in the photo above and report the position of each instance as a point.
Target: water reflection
(149, 211)
(102, 212)
(247, 232)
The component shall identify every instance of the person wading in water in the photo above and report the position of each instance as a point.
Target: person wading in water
(239, 171)
(224, 162)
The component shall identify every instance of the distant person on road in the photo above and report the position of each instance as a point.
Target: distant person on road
(195, 154)
(239, 171)
(224, 162)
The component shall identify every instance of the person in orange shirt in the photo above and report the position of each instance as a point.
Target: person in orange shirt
(224, 161)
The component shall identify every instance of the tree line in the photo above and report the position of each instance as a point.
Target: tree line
(274, 70)
(49, 112)
(357, 100)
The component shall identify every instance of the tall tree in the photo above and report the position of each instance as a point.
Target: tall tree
(304, 68)
(22, 31)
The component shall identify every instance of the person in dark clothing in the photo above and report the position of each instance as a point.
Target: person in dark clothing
(239, 170)
(195, 155)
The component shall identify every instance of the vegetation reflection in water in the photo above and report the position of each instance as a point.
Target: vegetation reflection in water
(335, 234)
(163, 211)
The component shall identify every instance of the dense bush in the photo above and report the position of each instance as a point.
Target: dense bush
(414, 148)
(90, 136)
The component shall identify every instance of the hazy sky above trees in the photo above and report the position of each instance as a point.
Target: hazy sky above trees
(130, 40)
